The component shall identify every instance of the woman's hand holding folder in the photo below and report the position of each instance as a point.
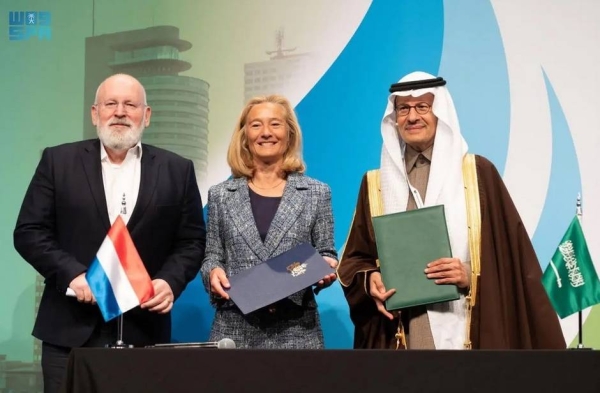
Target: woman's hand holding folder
(328, 279)
(218, 283)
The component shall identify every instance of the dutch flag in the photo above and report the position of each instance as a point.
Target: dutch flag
(117, 276)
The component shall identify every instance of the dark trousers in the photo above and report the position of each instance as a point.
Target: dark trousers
(55, 358)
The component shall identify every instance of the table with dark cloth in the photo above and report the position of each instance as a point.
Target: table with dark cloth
(234, 370)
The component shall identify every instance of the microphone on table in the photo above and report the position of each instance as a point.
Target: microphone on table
(224, 343)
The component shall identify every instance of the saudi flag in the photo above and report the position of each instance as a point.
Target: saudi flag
(570, 279)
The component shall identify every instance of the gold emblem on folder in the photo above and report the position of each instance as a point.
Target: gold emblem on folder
(297, 269)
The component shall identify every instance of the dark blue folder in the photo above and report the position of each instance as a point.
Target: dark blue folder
(278, 278)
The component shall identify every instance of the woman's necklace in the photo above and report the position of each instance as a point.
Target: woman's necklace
(267, 188)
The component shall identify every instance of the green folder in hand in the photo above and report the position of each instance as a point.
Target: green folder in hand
(406, 243)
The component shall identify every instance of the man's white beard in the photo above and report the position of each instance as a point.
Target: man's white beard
(120, 140)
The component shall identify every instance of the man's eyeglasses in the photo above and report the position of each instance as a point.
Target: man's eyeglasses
(128, 106)
(421, 108)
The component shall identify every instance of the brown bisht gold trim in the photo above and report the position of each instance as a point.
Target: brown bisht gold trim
(376, 207)
(342, 260)
(375, 201)
(374, 187)
(474, 225)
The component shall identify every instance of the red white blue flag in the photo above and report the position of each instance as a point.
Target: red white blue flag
(117, 276)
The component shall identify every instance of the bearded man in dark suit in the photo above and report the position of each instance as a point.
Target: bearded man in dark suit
(76, 193)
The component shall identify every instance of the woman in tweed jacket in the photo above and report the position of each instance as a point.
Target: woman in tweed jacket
(267, 208)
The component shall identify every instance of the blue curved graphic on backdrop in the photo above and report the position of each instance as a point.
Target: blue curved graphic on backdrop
(474, 64)
(565, 183)
(341, 116)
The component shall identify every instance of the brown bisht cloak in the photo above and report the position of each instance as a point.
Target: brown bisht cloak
(512, 310)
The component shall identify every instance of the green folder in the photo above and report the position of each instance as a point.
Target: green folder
(406, 243)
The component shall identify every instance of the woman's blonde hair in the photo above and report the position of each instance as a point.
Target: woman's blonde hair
(239, 156)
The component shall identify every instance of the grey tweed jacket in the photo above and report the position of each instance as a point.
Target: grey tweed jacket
(234, 244)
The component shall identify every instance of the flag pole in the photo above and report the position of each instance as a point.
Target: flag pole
(579, 212)
(579, 314)
(120, 343)
(120, 331)
(580, 317)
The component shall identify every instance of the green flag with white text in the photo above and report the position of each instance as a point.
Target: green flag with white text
(570, 278)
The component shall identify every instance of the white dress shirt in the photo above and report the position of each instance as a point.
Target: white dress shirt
(121, 182)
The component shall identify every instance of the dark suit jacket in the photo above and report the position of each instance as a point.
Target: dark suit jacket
(64, 219)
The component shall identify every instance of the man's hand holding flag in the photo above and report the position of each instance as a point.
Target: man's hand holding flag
(117, 277)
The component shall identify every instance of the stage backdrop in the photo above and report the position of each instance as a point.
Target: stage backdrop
(521, 73)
